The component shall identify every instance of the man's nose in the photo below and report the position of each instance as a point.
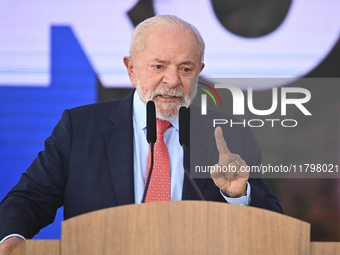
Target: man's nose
(171, 77)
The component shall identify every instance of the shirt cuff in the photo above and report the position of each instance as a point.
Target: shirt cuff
(12, 235)
(244, 200)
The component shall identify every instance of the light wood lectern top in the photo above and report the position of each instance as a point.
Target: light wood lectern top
(185, 227)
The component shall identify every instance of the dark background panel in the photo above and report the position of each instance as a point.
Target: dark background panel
(314, 140)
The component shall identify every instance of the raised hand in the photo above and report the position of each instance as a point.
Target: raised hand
(230, 173)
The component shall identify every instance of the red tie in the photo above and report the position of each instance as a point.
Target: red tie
(159, 187)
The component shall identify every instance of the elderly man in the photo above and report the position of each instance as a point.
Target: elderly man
(97, 155)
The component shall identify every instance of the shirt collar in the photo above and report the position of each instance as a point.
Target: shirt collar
(139, 113)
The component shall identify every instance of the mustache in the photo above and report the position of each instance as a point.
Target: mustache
(167, 91)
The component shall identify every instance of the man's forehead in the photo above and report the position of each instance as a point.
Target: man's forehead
(161, 43)
(168, 57)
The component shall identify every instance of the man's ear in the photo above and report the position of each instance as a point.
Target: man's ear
(202, 66)
(128, 62)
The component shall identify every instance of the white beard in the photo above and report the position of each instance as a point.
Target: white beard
(165, 110)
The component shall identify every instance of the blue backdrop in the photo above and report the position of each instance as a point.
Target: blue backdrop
(28, 114)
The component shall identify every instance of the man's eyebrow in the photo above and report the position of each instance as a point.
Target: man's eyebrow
(164, 61)
(158, 60)
(188, 63)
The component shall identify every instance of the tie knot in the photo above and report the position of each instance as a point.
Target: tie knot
(162, 125)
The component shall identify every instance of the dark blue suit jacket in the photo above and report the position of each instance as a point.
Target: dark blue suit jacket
(87, 165)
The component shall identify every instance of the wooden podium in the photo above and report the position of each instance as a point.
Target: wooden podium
(185, 227)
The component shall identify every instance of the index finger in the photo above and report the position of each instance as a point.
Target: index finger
(220, 142)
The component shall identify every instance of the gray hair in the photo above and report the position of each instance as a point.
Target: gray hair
(141, 32)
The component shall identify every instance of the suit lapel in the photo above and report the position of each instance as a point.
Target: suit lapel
(119, 149)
